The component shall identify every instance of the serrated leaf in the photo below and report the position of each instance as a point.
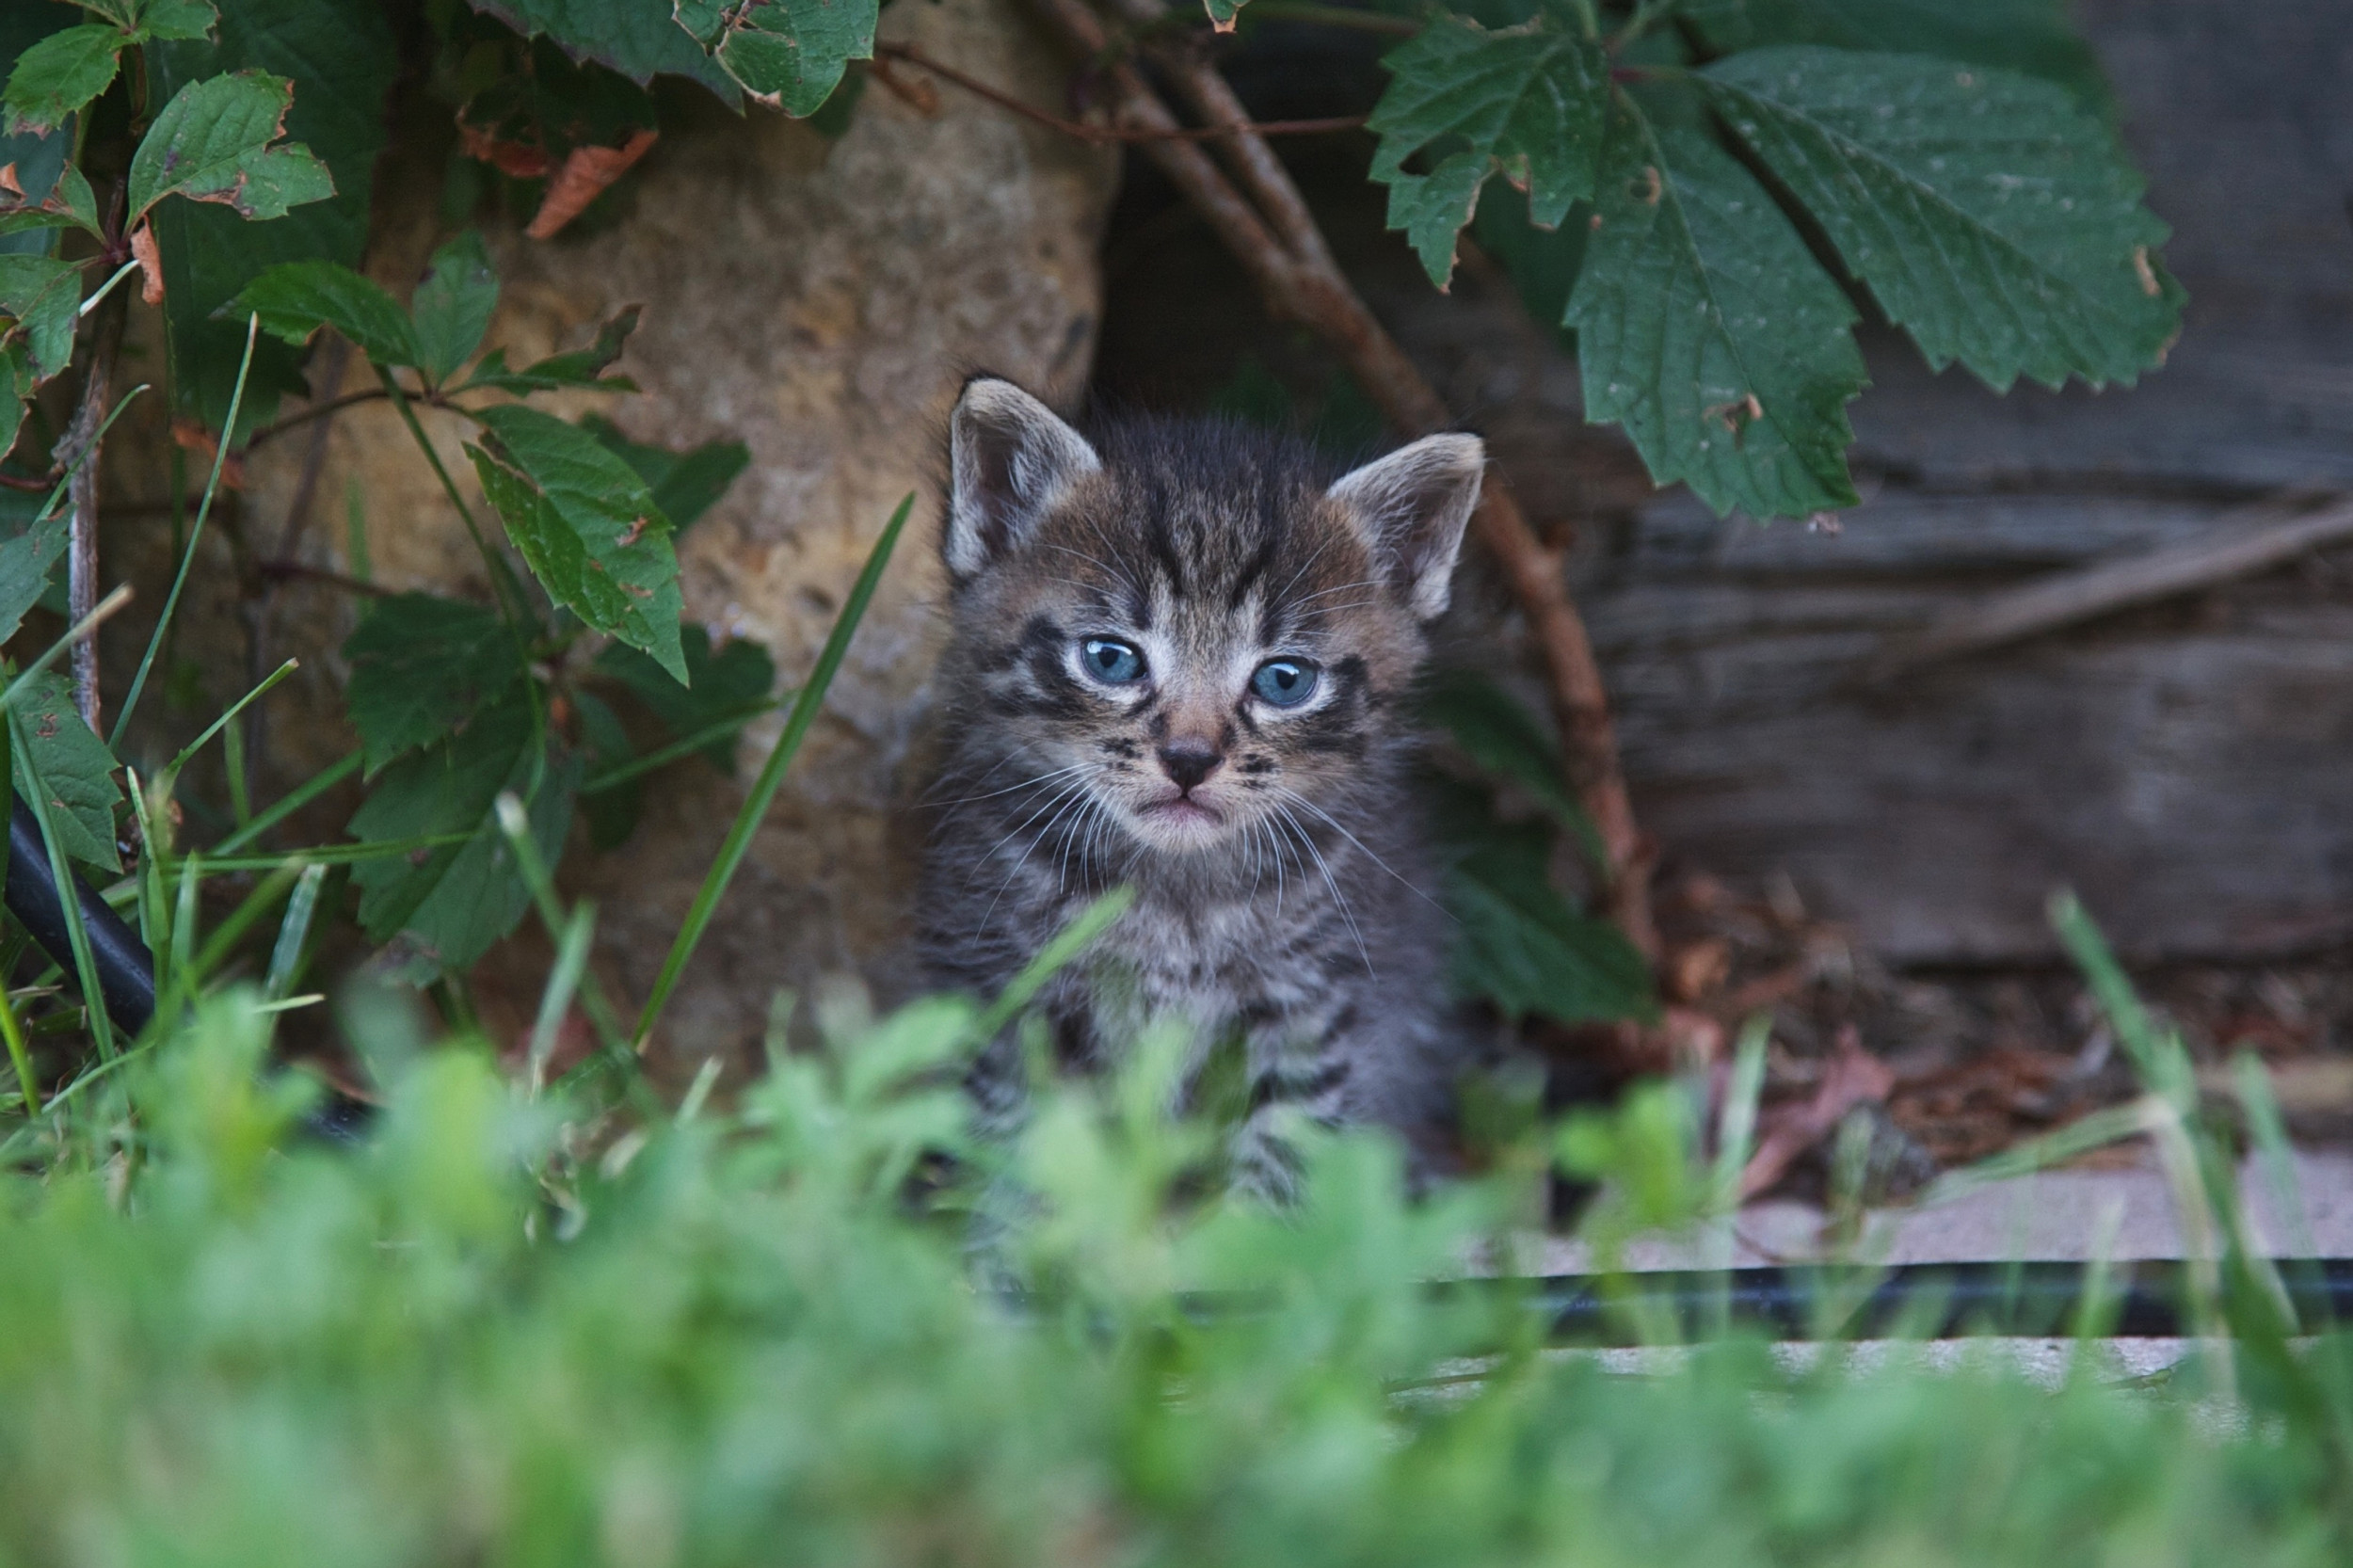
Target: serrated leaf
(295, 298)
(791, 54)
(580, 367)
(457, 900)
(29, 548)
(38, 300)
(76, 766)
(1994, 219)
(186, 20)
(2030, 35)
(221, 140)
(453, 307)
(1521, 947)
(157, 19)
(1708, 330)
(721, 685)
(685, 484)
(637, 37)
(59, 75)
(1527, 102)
(341, 55)
(420, 666)
(588, 527)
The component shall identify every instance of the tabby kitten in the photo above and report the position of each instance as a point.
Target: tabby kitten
(1178, 661)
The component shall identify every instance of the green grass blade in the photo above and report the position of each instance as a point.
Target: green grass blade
(516, 823)
(61, 872)
(196, 536)
(318, 784)
(803, 713)
(50, 655)
(1069, 943)
(287, 956)
(571, 962)
(639, 766)
(188, 753)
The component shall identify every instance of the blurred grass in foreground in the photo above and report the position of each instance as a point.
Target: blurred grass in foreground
(509, 1330)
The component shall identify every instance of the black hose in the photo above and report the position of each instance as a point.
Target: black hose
(126, 970)
(2141, 1300)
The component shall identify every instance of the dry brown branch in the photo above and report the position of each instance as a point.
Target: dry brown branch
(2249, 540)
(1272, 234)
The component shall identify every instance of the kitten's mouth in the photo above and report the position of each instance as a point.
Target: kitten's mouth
(1183, 811)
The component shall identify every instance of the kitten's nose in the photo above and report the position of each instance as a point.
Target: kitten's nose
(1189, 762)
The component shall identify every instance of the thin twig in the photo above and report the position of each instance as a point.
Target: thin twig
(1270, 232)
(279, 571)
(2254, 539)
(1100, 136)
(77, 453)
(328, 410)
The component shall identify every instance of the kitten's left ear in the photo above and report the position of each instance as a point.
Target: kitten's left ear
(1009, 459)
(1412, 506)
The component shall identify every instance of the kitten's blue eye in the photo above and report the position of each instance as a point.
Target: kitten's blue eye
(1110, 660)
(1285, 682)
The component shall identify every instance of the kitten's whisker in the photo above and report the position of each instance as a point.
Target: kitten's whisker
(1067, 796)
(1311, 561)
(1010, 789)
(1338, 827)
(1059, 795)
(1338, 897)
(1336, 588)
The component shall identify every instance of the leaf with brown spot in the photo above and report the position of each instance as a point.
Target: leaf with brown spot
(222, 139)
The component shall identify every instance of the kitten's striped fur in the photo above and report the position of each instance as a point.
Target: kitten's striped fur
(1280, 871)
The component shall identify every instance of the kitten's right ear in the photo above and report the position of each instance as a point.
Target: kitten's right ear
(1010, 459)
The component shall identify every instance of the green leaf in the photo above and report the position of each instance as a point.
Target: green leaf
(69, 204)
(1527, 101)
(157, 19)
(453, 306)
(2030, 35)
(1994, 219)
(76, 767)
(721, 685)
(341, 55)
(1504, 739)
(612, 812)
(791, 54)
(586, 525)
(40, 299)
(295, 298)
(581, 367)
(685, 484)
(457, 900)
(59, 75)
(223, 140)
(16, 385)
(29, 548)
(1708, 329)
(422, 665)
(637, 37)
(1520, 946)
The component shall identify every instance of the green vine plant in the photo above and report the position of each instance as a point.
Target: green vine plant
(1707, 197)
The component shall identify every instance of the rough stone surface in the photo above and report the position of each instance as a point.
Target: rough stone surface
(821, 302)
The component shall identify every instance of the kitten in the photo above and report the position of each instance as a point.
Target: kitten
(1179, 661)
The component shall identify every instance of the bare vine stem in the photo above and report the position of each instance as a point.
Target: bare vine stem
(1102, 134)
(1256, 210)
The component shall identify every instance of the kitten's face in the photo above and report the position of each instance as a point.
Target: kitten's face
(1186, 638)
